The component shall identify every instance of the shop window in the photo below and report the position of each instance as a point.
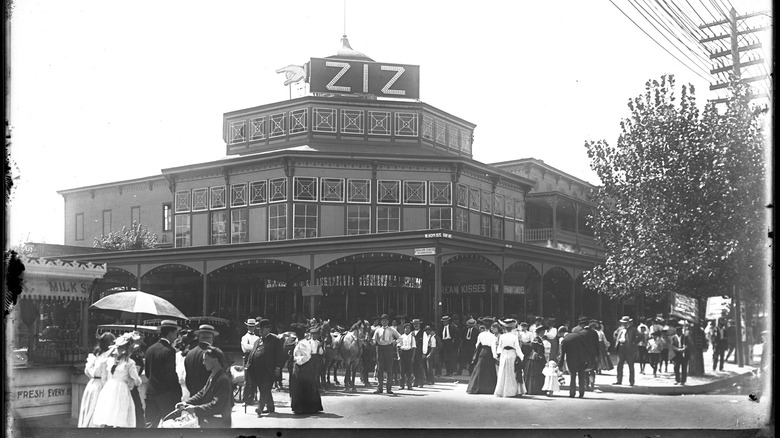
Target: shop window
(440, 218)
(258, 192)
(304, 221)
(498, 204)
(305, 189)
(474, 201)
(238, 226)
(106, 222)
(414, 192)
(167, 217)
(183, 201)
(219, 228)
(498, 228)
(388, 219)
(463, 196)
(332, 190)
(278, 189)
(440, 193)
(80, 226)
(484, 225)
(359, 191)
(462, 220)
(200, 199)
(217, 197)
(183, 233)
(388, 192)
(238, 196)
(486, 206)
(277, 222)
(135, 215)
(299, 121)
(358, 219)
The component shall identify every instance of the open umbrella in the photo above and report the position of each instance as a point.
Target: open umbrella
(138, 303)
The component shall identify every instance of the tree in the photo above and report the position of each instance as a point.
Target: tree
(135, 237)
(682, 205)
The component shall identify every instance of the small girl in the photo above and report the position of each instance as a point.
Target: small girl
(654, 348)
(551, 378)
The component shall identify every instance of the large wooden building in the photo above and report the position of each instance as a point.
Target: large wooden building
(343, 204)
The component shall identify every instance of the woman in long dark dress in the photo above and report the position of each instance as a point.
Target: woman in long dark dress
(483, 376)
(534, 378)
(304, 385)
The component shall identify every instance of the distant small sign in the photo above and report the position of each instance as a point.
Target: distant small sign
(716, 306)
(685, 307)
(436, 235)
(424, 251)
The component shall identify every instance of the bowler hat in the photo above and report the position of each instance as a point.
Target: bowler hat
(251, 322)
(168, 323)
(625, 320)
(206, 328)
(384, 316)
(263, 323)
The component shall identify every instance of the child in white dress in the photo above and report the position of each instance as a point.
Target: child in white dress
(115, 407)
(551, 376)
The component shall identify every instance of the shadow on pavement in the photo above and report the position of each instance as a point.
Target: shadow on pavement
(314, 415)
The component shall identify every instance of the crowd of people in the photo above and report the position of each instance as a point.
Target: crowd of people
(132, 386)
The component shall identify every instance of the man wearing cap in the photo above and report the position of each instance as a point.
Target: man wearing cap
(163, 390)
(247, 343)
(418, 368)
(196, 372)
(582, 322)
(626, 340)
(450, 341)
(384, 339)
(264, 364)
(468, 345)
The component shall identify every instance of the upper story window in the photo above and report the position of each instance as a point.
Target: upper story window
(106, 222)
(359, 191)
(238, 195)
(498, 204)
(80, 226)
(484, 225)
(414, 192)
(440, 218)
(388, 219)
(358, 219)
(167, 217)
(238, 226)
(462, 220)
(498, 228)
(388, 192)
(304, 221)
(440, 193)
(509, 208)
(183, 201)
(183, 233)
(278, 190)
(519, 232)
(305, 189)
(219, 227)
(277, 222)
(332, 190)
(487, 203)
(217, 195)
(258, 192)
(237, 132)
(200, 199)
(463, 196)
(474, 202)
(135, 215)
(299, 121)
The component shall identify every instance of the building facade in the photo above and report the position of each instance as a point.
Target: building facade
(340, 205)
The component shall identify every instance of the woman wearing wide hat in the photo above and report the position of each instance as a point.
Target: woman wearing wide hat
(535, 362)
(483, 376)
(509, 383)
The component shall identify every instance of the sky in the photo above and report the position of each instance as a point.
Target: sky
(108, 91)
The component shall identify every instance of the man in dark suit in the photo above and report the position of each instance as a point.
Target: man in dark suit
(468, 345)
(264, 364)
(417, 359)
(163, 390)
(197, 374)
(574, 354)
(680, 350)
(582, 322)
(626, 340)
(450, 341)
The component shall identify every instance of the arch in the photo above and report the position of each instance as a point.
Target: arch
(147, 268)
(525, 279)
(556, 305)
(471, 283)
(114, 277)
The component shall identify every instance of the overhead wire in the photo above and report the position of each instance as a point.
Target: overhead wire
(659, 44)
(697, 50)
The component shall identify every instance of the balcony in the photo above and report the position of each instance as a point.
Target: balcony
(538, 234)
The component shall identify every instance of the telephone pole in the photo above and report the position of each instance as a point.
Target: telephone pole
(736, 67)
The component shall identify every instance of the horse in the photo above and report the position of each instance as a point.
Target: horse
(328, 359)
(350, 348)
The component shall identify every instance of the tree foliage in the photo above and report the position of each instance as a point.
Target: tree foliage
(135, 237)
(682, 205)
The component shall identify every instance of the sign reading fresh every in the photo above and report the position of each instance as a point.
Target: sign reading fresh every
(363, 77)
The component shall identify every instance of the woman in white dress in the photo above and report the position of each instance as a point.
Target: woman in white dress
(115, 407)
(95, 369)
(508, 352)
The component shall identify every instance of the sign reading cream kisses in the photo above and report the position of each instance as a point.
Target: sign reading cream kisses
(362, 77)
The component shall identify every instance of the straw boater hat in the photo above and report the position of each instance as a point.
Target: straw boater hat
(416, 321)
(251, 322)
(384, 316)
(168, 323)
(509, 323)
(625, 320)
(206, 328)
(445, 318)
(471, 322)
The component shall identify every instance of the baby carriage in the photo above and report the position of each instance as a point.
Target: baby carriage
(184, 421)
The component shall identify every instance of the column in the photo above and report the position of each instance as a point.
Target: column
(501, 292)
(437, 309)
(541, 293)
(205, 290)
(311, 283)
(573, 296)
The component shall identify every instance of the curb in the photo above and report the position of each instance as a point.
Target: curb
(673, 390)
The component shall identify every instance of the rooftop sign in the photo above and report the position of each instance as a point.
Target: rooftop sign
(343, 76)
